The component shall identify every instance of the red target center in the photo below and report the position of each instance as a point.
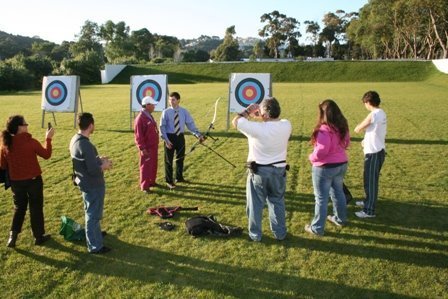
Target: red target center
(149, 92)
(55, 92)
(249, 93)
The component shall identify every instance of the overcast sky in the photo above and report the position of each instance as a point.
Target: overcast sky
(61, 20)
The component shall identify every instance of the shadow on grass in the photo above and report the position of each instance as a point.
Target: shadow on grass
(414, 219)
(148, 265)
(370, 250)
(233, 195)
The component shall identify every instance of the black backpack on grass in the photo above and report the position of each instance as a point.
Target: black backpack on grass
(202, 225)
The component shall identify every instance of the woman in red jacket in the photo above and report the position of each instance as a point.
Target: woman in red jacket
(19, 153)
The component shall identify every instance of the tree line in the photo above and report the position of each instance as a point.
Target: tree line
(381, 29)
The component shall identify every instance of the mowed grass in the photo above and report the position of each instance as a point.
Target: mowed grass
(401, 253)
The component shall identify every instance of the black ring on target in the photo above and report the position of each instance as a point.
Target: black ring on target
(149, 85)
(56, 93)
(249, 91)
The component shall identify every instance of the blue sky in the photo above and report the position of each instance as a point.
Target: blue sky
(59, 20)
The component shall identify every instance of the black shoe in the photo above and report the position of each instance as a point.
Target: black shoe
(12, 239)
(42, 240)
(103, 250)
(104, 233)
(181, 181)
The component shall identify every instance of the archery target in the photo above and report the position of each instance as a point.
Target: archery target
(246, 89)
(56, 93)
(154, 86)
(60, 93)
(249, 91)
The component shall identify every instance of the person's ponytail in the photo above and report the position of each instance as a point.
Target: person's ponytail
(12, 126)
(6, 139)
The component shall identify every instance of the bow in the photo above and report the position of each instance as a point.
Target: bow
(207, 135)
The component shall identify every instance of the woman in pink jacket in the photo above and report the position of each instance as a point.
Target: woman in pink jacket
(330, 139)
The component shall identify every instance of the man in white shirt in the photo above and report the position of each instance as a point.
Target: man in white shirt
(374, 145)
(266, 180)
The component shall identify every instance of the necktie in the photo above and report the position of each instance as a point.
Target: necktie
(176, 123)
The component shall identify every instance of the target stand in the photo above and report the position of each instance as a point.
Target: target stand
(246, 89)
(155, 86)
(60, 94)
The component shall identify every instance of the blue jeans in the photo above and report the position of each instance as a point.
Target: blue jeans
(267, 185)
(327, 182)
(93, 208)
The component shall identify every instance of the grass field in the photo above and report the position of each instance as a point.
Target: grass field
(402, 253)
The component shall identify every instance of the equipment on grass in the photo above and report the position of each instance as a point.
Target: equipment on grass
(202, 225)
(167, 212)
(71, 230)
(168, 226)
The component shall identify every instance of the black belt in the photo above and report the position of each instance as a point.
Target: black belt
(271, 164)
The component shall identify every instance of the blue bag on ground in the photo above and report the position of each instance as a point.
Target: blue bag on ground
(71, 230)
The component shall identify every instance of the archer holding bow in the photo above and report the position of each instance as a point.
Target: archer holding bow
(172, 127)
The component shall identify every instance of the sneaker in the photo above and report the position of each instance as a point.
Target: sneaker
(360, 203)
(334, 221)
(170, 186)
(308, 229)
(103, 250)
(362, 214)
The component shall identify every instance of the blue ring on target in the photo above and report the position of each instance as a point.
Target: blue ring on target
(56, 93)
(254, 86)
(153, 86)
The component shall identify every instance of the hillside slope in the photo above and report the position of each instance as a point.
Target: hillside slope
(333, 71)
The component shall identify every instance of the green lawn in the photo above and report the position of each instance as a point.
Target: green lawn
(401, 253)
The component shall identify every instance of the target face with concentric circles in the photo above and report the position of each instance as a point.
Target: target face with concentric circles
(149, 88)
(249, 91)
(56, 93)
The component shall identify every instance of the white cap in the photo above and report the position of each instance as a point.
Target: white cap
(148, 100)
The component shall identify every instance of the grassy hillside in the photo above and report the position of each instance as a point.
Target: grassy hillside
(334, 71)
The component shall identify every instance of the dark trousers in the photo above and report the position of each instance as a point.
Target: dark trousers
(372, 168)
(28, 192)
(178, 148)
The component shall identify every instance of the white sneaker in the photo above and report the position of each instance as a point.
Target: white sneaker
(362, 214)
(309, 230)
(333, 220)
(360, 204)
(170, 186)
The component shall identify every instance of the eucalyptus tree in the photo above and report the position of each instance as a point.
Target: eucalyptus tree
(312, 28)
(258, 49)
(279, 30)
(228, 50)
(87, 40)
(402, 29)
(165, 46)
(142, 41)
(118, 45)
(87, 56)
